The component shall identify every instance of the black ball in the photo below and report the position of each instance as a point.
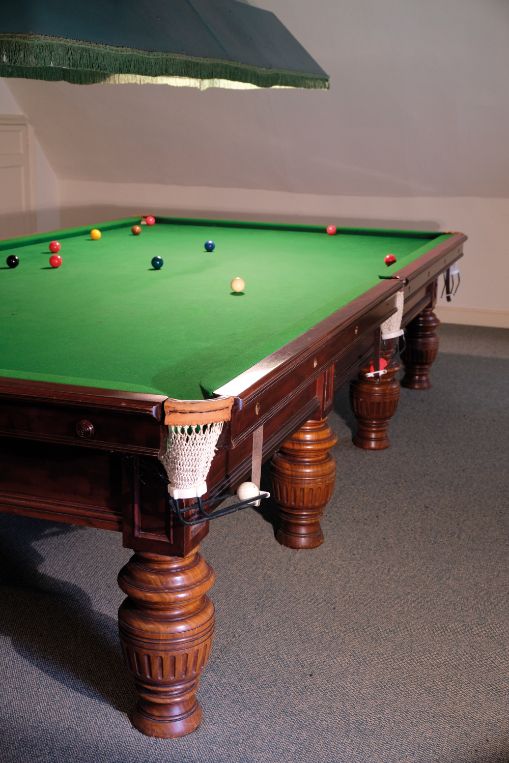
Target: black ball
(12, 261)
(157, 263)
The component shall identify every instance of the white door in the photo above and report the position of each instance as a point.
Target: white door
(15, 182)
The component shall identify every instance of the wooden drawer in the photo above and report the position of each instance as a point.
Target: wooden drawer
(128, 431)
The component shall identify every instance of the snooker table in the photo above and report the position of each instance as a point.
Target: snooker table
(95, 356)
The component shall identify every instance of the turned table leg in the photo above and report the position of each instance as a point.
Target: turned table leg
(166, 626)
(303, 474)
(421, 350)
(374, 401)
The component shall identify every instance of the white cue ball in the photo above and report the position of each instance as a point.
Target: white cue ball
(248, 490)
(238, 285)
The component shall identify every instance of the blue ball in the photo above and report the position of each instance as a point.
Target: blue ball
(157, 263)
(209, 246)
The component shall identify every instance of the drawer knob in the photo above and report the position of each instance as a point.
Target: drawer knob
(85, 429)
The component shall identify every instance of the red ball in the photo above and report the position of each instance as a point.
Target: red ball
(54, 246)
(382, 365)
(150, 220)
(331, 230)
(389, 259)
(55, 260)
(136, 230)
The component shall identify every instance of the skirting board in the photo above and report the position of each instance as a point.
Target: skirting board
(473, 316)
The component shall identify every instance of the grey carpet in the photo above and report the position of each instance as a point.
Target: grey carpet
(387, 644)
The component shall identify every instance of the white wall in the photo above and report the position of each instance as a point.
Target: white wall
(46, 191)
(45, 187)
(8, 104)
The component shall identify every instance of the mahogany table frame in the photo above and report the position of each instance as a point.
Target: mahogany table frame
(90, 457)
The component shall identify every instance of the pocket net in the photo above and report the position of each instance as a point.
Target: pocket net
(193, 432)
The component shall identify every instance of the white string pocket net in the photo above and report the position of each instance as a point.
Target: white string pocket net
(391, 328)
(189, 454)
(191, 444)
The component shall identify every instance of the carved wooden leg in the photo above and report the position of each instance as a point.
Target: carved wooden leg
(421, 350)
(374, 401)
(166, 626)
(303, 474)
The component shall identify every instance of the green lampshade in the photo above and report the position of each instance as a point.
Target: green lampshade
(199, 43)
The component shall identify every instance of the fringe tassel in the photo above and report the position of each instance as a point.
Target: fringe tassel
(83, 63)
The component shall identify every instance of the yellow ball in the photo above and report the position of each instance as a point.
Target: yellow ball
(238, 284)
(95, 234)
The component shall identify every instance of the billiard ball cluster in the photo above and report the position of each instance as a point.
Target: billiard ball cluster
(54, 247)
(237, 284)
(55, 260)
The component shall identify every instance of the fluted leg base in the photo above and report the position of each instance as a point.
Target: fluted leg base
(374, 402)
(421, 350)
(303, 474)
(166, 626)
